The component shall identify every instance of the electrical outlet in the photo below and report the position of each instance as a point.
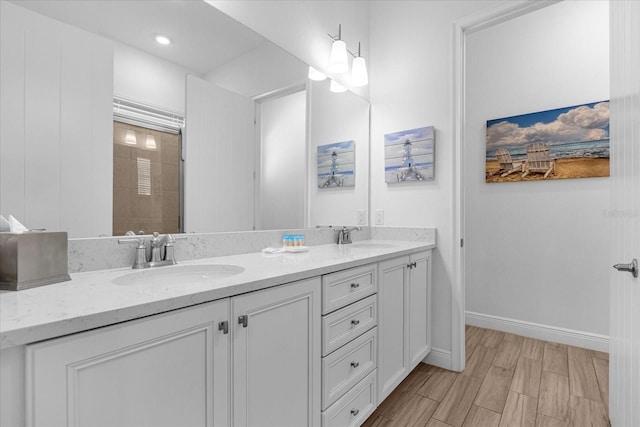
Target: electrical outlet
(379, 216)
(361, 217)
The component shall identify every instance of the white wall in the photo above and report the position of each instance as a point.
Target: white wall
(411, 78)
(148, 79)
(283, 162)
(219, 164)
(337, 117)
(301, 27)
(56, 124)
(537, 251)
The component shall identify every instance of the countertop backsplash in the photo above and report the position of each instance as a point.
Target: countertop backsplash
(90, 254)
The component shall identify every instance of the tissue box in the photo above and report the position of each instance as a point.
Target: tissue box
(32, 259)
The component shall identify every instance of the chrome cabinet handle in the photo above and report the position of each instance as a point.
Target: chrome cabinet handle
(355, 412)
(632, 267)
(243, 320)
(355, 364)
(224, 327)
(355, 285)
(355, 322)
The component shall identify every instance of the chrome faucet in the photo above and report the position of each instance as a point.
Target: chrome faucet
(157, 244)
(344, 234)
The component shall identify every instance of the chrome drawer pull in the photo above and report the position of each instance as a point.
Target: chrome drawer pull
(355, 322)
(355, 285)
(355, 364)
(355, 412)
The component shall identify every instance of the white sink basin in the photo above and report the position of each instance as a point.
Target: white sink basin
(179, 275)
(372, 245)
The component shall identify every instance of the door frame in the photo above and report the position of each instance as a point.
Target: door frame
(462, 28)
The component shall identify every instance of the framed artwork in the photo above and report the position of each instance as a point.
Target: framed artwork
(336, 165)
(409, 155)
(569, 142)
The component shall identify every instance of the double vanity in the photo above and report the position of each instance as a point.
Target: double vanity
(288, 339)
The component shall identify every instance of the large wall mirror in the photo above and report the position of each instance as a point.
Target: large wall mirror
(246, 158)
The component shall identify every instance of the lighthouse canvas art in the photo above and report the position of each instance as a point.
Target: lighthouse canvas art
(409, 155)
(336, 165)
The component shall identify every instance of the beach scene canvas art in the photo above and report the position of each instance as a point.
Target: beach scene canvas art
(409, 155)
(569, 142)
(336, 165)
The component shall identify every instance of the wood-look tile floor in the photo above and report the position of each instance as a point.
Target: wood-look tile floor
(509, 381)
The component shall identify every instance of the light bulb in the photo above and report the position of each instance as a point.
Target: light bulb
(359, 76)
(338, 60)
(336, 87)
(316, 75)
(130, 138)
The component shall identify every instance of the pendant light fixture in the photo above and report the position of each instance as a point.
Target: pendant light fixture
(338, 60)
(151, 142)
(359, 76)
(130, 138)
(338, 64)
(336, 87)
(316, 75)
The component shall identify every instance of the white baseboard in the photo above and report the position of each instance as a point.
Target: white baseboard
(440, 358)
(542, 332)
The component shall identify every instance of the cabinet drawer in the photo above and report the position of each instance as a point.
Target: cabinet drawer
(344, 368)
(354, 407)
(347, 286)
(340, 327)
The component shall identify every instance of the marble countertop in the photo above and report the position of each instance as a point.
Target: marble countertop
(91, 300)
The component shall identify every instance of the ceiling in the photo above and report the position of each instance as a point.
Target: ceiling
(203, 37)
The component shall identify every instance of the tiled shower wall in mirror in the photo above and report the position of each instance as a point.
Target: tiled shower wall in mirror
(146, 180)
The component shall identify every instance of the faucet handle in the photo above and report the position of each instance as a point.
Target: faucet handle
(132, 241)
(140, 256)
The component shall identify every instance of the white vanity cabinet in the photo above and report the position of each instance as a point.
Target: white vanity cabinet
(322, 351)
(404, 318)
(349, 349)
(276, 356)
(165, 370)
(187, 367)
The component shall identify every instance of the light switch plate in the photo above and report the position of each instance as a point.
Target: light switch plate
(379, 216)
(361, 217)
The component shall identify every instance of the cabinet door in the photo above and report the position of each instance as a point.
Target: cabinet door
(276, 356)
(419, 293)
(393, 359)
(165, 370)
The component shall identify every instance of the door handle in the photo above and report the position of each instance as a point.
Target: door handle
(632, 267)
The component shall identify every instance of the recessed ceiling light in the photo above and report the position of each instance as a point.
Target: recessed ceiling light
(163, 39)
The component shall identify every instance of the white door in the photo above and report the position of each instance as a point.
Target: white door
(282, 162)
(219, 152)
(624, 361)
(276, 356)
(419, 307)
(393, 360)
